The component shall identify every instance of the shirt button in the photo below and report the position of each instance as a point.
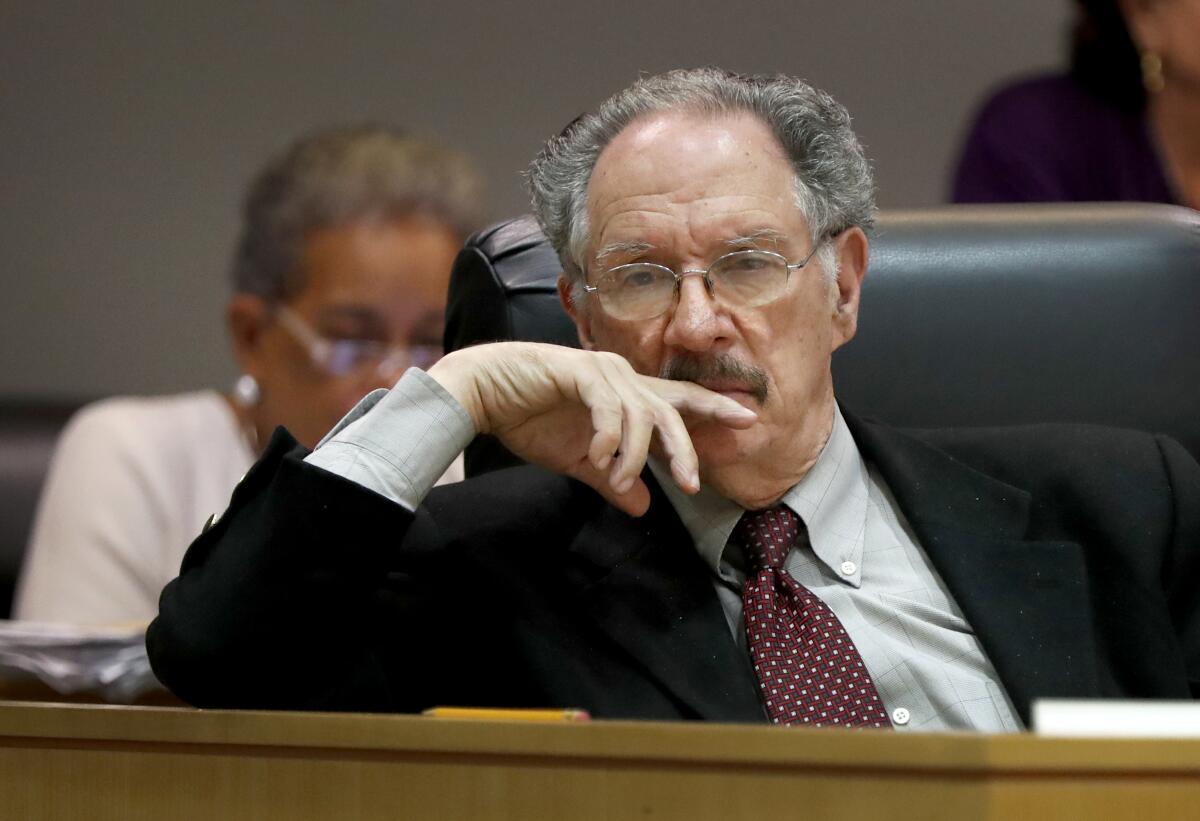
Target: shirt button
(900, 716)
(849, 568)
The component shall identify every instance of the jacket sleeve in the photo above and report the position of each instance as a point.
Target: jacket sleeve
(303, 595)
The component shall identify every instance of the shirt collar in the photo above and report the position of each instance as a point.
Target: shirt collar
(831, 499)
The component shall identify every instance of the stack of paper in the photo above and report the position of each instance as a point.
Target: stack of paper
(109, 663)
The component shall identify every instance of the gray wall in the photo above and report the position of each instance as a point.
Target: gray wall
(127, 130)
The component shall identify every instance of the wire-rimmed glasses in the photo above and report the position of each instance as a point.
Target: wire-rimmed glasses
(741, 279)
(358, 357)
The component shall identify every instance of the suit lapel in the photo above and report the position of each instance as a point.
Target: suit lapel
(650, 591)
(1026, 600)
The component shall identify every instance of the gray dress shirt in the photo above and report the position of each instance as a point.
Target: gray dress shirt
(861, 557)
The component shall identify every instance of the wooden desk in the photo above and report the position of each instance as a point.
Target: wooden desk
(82, 761)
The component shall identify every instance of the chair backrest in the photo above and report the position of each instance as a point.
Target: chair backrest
(971, 315)
(28, 432)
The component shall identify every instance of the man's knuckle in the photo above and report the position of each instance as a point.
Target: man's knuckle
(643, 414)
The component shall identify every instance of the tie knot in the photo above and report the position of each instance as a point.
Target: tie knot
(767, 535)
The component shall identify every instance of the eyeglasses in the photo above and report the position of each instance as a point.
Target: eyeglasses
(358, 357)
(741, 279)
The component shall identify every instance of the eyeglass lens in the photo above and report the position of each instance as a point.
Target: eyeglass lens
(645, 290)
(346, 356)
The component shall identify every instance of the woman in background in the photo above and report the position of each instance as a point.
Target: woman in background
(340, 281)
(1124, 124)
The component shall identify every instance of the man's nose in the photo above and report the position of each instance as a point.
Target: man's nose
(695, 321)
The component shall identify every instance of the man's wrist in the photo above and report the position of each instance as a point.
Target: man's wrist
(404, 444)
(455, 372)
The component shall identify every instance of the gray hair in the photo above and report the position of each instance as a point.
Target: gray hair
(833, 183)
(339, 176)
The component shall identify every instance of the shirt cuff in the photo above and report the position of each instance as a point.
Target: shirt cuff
(398, 442)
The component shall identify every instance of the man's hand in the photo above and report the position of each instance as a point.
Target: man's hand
(585, 414)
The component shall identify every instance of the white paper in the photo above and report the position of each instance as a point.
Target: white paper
(1098, 718)
(108, 662)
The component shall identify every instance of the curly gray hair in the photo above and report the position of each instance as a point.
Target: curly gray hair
(833, 183)
(338, 176)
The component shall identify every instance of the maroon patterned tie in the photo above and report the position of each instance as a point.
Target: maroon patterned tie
(809, 670)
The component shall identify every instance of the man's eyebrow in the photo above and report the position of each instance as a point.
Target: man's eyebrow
(756, 239)
(625, 248)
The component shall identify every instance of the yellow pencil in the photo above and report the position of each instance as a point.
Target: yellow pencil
(489, 714)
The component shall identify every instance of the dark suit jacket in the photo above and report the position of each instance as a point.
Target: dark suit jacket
(1072, 551)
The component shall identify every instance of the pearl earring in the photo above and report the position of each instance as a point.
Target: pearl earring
(246, 391)
(1152, 72)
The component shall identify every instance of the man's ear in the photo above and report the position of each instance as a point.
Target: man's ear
(248, 317)
(853, 252)
(579, 313)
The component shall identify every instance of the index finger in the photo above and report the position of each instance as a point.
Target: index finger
(689, 399)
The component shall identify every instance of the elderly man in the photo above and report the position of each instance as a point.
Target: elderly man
(778, 560)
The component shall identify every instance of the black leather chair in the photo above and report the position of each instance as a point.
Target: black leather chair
(28, 432)
(971, 315)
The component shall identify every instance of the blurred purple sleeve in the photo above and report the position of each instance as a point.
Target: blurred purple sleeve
(1049, 140)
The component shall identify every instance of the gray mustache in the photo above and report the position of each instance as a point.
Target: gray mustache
(722, 367)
